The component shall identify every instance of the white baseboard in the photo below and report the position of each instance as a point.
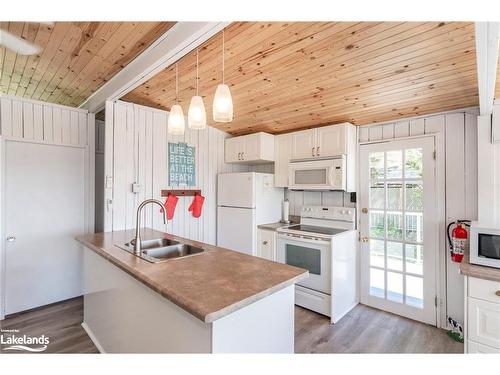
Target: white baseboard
(93, 338)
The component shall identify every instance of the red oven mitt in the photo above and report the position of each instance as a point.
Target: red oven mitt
(197, 205)
(169, 205)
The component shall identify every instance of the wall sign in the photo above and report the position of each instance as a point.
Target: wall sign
(181, 164)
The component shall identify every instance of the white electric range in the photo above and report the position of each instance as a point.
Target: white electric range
(325, 243)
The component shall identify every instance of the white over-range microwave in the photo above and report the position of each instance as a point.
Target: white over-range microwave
(484, 246)
(325, 174)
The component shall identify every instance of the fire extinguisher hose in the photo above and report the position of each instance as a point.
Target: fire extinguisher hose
(460, 221)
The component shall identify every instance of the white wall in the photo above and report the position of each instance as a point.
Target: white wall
(99, 176)
(140, 155)
(457, 182)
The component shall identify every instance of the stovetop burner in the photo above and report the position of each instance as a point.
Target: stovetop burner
(316, 229)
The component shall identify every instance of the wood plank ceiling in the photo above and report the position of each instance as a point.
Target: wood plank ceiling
(76, 57)
(289, 76)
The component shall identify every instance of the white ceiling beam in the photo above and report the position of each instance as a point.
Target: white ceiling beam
(178, 41)
(487, 40)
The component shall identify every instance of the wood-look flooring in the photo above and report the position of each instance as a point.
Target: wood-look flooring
(61, 322)
(368, 330)
(363, 330)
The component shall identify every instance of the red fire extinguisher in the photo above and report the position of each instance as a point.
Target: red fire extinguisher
(458, 239)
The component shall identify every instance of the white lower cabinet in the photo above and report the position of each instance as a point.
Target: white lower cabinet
(266, 244)
(482, 326)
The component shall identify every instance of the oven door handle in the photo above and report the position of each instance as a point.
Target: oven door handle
(304, 239)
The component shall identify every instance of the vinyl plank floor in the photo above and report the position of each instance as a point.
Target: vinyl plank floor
(61, 322)
(363, 330)
(368, 330)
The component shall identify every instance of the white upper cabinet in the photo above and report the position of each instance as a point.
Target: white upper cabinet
(331, 141)
(324, 142)
(304, 144)
(250, 149)
(282, 155)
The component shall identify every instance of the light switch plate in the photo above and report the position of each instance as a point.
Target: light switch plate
(136, 188)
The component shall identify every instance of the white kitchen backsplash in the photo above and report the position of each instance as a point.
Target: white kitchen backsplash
(321, 198)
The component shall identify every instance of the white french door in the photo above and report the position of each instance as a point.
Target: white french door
(399, 227)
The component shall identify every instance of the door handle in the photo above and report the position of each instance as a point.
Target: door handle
(364, 210)
(10, 238)
(264, 242)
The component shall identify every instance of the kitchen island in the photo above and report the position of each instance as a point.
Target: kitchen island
(217, 301)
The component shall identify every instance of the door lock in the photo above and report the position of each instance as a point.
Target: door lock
(10, 238)
(364, 210)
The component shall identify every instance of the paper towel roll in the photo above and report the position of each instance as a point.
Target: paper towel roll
(286, 211)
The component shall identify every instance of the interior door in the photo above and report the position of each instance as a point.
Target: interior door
(304, 144)
(331, 141)
(399, 227)
(43, 212)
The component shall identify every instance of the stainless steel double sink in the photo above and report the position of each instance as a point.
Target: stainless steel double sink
(162, 249)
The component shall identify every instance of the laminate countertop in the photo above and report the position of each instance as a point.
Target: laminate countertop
(209, 285)
(480, 272)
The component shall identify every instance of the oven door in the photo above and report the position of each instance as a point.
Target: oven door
(310, 254)
(318, 175)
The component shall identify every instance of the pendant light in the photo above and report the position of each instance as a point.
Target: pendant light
(223, 103)
(176, 122)
(197, 117)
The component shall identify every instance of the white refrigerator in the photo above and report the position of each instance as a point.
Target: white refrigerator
(245, 200)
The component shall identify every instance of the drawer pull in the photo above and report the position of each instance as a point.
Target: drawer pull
(497, 293)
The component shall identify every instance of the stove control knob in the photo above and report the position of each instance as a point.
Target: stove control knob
(343, 212)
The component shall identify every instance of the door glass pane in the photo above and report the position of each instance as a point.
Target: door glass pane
(413, 163)
(414, 227)
(394, 225)
(394, 196)
(414, 196)
(377, 284)
(394, 164)
(377, 253)
(377, 195)
(310, 176)
(415, 291)
(414, 259)
(376, 160)
(304, 257)
(395, 287)
(377, 224)
(395, 256)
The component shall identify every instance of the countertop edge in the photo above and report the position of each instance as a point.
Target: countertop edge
(209, 318)
(469, 270)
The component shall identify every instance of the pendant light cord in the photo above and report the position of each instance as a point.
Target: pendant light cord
(223, 66)
(176, 83)
(197, 72)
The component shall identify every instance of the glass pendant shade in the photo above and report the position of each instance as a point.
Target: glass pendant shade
(176, 124)
(223, 104)
(197, 117)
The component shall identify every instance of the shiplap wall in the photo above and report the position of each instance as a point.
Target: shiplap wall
(457, 176)
(38, 121)
(140, 155)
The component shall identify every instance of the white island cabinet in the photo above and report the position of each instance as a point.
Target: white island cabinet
(219, 301)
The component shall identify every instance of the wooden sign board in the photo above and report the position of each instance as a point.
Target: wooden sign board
(181, 164)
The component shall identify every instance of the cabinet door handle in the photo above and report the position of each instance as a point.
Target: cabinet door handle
(264, 242)
(242, 156)
(312, 151)
(239, 155)
(317, 151)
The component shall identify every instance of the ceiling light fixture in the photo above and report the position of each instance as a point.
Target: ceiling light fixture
(197, 117)
(223, 102)
(176, 122)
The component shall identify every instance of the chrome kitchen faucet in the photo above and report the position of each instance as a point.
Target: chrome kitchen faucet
(137, 239)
